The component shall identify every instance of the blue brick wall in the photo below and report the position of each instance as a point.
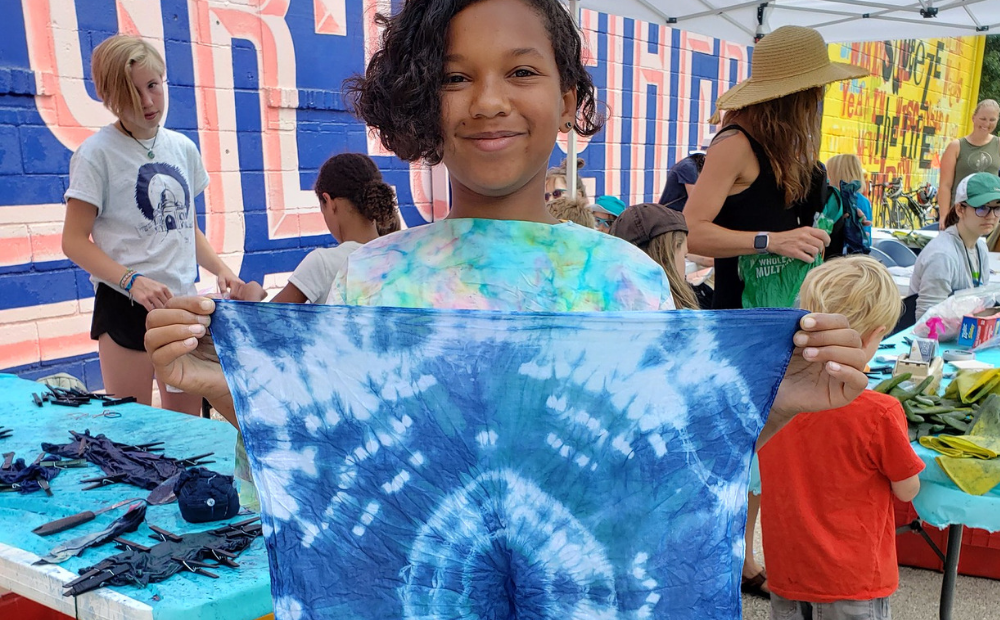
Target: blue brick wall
(43, 294)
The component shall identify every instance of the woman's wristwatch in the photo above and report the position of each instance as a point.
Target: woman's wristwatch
(760, 243)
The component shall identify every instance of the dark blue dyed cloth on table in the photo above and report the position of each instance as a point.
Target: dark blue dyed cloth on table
(427, 464)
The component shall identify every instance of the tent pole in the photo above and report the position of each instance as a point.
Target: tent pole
(571, 171)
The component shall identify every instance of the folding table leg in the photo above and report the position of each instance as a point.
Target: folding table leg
(950, 571)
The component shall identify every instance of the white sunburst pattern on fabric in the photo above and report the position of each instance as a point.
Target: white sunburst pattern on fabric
(428, 464)
(454, 558)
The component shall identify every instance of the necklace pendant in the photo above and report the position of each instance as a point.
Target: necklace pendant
(150, 154)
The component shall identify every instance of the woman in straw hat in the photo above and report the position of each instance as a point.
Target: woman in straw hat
(761, 186)
(753, 195)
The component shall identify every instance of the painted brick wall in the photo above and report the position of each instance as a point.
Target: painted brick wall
(920, 97)
(256, 85)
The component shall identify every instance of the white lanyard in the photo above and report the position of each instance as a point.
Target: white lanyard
(977, 280)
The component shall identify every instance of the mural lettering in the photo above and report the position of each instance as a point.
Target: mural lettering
(899, 120)
(256, 85)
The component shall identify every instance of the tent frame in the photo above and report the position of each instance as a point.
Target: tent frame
(930, 18)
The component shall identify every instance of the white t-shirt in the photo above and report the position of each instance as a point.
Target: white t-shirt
(145, 206)
(316, 272)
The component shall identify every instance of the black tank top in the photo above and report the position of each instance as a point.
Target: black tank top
(760, 208)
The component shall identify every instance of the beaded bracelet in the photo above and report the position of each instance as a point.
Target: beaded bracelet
(128, 287)
(129, 272)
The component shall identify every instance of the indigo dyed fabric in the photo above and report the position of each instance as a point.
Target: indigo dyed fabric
(450, 464)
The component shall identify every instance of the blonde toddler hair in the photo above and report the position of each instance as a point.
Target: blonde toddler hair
(572, 209)
(858, 287)
(111, 67)
(845, 168)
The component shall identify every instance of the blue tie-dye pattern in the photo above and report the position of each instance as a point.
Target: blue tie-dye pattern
(428, 464)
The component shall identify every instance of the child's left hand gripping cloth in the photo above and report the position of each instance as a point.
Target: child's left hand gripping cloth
(450, 464)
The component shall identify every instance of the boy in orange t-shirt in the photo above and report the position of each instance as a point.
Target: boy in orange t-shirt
(828, 477)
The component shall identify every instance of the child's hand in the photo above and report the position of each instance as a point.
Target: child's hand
(150, 293)
(864, 221)
(248, 291)
(228, 281)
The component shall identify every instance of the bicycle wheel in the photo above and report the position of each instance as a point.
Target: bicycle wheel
(904, 215)
(880, 217)
(917, 214)
(900, 216)
(893, 215)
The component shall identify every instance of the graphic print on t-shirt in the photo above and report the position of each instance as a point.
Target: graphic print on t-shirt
(164, 198)
(981, 161)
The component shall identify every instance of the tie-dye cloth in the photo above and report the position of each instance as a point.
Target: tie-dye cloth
(454, 464)
(479, 264)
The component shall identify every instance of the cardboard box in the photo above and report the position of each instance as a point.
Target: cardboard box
(978, 328)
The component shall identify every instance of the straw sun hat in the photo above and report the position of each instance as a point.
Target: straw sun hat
(789, 60)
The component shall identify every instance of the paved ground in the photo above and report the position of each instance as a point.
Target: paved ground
(918, 596)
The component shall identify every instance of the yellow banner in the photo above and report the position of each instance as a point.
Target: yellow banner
(920, 96)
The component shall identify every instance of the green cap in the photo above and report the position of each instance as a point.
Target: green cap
(978, 189)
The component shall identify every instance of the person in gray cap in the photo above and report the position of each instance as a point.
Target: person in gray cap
(660, 232)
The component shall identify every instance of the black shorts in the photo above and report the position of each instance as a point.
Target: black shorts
(119, 317)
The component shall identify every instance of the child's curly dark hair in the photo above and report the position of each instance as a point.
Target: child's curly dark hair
(393, 95)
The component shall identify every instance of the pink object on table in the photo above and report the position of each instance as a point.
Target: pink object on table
(935, 325)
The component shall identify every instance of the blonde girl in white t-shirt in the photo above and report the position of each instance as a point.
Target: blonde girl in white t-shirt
(130, 217)
(357, 206)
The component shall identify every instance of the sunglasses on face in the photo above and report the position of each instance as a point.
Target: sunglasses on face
(604, 222)
(555, 194)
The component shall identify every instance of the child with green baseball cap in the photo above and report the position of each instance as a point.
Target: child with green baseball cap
(958, 258)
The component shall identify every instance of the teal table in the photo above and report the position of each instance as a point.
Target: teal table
(941, 503)
(238, 594)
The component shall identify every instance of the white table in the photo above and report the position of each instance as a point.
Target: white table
(903, 280)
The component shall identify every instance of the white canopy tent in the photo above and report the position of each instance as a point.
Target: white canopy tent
(743, 21)
(740, 21)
